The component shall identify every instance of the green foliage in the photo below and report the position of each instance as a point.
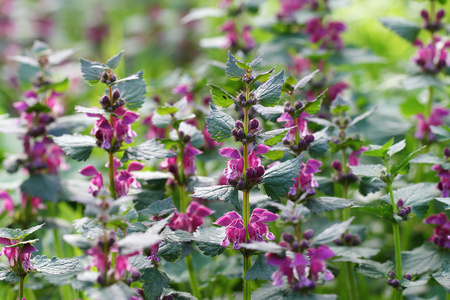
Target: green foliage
(260, 269)
(321, 204)
(221, 192)
(44, 186)
(154, 282)
(114, 61)
(220, 97)
(402, 27)
(423, 259)
(268, 94)
(232, 70)
(55, 266)
(219, 125)
(208, 240)
(372, 268)
(92, 71)
(333, 232)
(279, 178)
(17, 234)
(133, 91)
(78, 147)
(148, 150)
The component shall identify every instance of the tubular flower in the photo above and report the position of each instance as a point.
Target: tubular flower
(257, 229)
(353, 157)
(301, 123)
(327, 35)
(188, 161)
(192, 219)
(7, 203)
(305, 182)
(14, 253)
(431, 58)
(444, 183)
(436, 118)
(441, 233)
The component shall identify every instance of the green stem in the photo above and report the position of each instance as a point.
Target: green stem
(183, 204)
(247, 284)
(352, 289)
(192, 277)
(22, 279)
(246, 210)
(430, 101)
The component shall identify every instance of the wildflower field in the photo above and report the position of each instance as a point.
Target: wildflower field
(224, 149)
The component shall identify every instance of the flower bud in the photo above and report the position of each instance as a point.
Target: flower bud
(298, 105)
(391, 274)
(173, 169)
(304, 244)
(105, 77)
(240, 184)
(291, 110)
(336, 165)
(400, 203)
(395, 283)
(408, 276)
(348, 238)
(116, 94)
(308, 234)
(129, 281)
(254, 124)
(309, 138)
(249, 136)
(187, 139)
(105, 101)
(136, 276)
(356, 240)
(111, 242)
(425, 15)
(250, 173)
(244, 141)
(240, 134)
(302, 144)
(113, 78)
(447, 152)
(234, 132)
(239, 124)
(287, 104)
(389, 281)
(100, 280)
(402, 212)
(295, 147)
(408, 210)
(260, 171)
(440, 14)
(295, 246)
(286, 236)
(241, 97)
(338, 242)
(167, 297)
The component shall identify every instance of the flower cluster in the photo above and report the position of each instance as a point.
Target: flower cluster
(288, 8)
(7, 203)
(235, 170)
(444, 174)
(234, 39)
(435, 25)
(423, 130)
(257, 229)
(239, 134)
(431, 58)
(122, 180)
(342, 177)
(305, 182)
(328, 35)
(192, 219)
(18, 256)
(348, 239)
(299, 125)
(302, 273)
(441, 233)
(189, 154)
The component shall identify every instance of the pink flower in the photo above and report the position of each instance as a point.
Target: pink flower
(436, 118)
(153, 252)
(7, 203)
(328, 35)
(153, 131)
(192, 219)
(13, 254)
(317, 258)
(185, 90)
(336, 89)
(441, 233)
(301, 123)
(257, 229)
(235, 169)
(431, 58)
(35, 202)
(353, 157)
(307, 182)
(444, 183)
(249, 42)
(230, 33)
(188, 161)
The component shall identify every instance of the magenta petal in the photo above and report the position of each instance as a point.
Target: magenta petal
(88, 171)
(269, 217)
(312, 166)
(223, 221)
(203, 211)
(129, 117)
(135, 166)
(27, 248)
(439, 219)
(190, 151)
(229, 152)
(261, 150)
(5, 241)
(124, 175)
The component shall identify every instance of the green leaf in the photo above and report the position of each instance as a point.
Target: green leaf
(420, 81)
(443, 276)
(312, 107)
(269, 113)
(146, 151)
(396, 147)
(119, 290)
(256, 63)
(428, 158)
(202, 13)
(17, 234)
(402, 27)
(265, 247)
(54, 265)
(243, 65)
(38, 107)
(333, 232)
(278, 179)
(78, 147)
(161, 121)
(353, 252)
(60, 56)
(114, 61)
(90, 74)
(268, 94)
(89, 228)
(9, 275)
(415, 195)
(208, 240)
(382, 210)
(165, 110)
(133, 91)
(319, 147)
(77, 241)
(362, 116)
(304, 81)
(44, 186)
(445, 201)
(368, 170)
(27, 73)
(40, 48)
(350, 142)
(419, 282)
(232, 70)
(263, 77)
(219, 125)
(379, 151)
(160, 208)
(403, 166)
(270, 138)
(321, 204)
(370, 185)
(137, 241)
(154, 282)
(442, 133)
(268, 291)
(260, 269)
(339, 105)
(374, 269)
(220, 97)
(182, 296)
(423, 259)
(221, 192)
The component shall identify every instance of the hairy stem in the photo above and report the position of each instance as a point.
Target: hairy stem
(193, 277)
(22, 279)
(247, 284)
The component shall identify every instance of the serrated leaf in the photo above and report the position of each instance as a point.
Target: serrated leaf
(279, 178)
(243, 65)
(90, 74)
(339, 105)
(154, 282)
(26, 60)
(44, 186)
(260, 269)
(256, 63)
(268, 94)
(304, 81)
(90, 110)
(269, 113)
(402, 27)
(445, 201)
(353, 252)
(270, 138)
(166, 110)
(170, 251)
(369, 185)
(60, 56)
(137, 241)
(372, 268)
(8, 275)
(119, 290)
(263, 77)
(18, 234)
(133, 91)
(321, 204)
(354, 144)
(428, 158)
(77, 241)
(220, 97)
(312, 107)
(219, 125)
(38, 107)
(333, 232)
(221, 192)
(78, 147)
(209, 240)
(362, 117)
(368, 170)
(146, 151)
(114, 61)
(416, 195)
(182, 296)
(232, 70)
(319, 147)
(54, 265)
(423, 259)
(418, 282)
(161, 121)
(397, 147)
(403, 166)
(160, 208)
(443, 276)
(89, 228)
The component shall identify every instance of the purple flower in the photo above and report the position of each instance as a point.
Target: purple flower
(192, 219)
(257, 229)
(232, 35)
(22, 252)
(436, 118)
(444, 182)
(305, 182)
(185, 90)
(431, 58)
(153, 252)
(188, 161)
(336, 89)
(317, 257)
(301, 123)
(353, 157)
(7, 203)
(153, 131)
(441, 233)
(235, 170)
(327, 35)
